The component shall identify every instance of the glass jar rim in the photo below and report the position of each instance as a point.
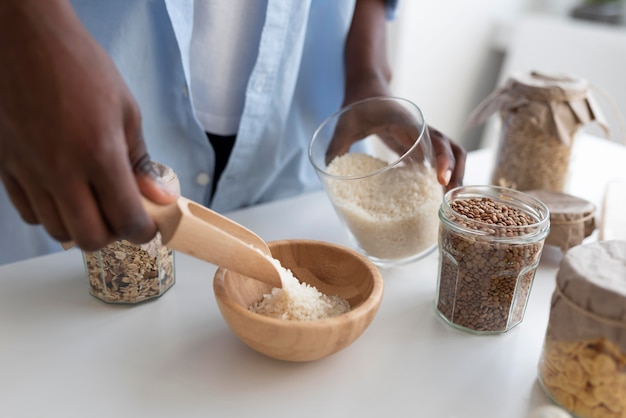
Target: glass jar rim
(504, 195)
(348, 108)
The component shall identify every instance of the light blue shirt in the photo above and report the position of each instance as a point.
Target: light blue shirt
(297, 81)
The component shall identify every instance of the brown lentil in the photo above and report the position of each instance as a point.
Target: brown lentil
(486, 263)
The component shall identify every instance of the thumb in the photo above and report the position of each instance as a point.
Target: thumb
(151, 185)
(146, 176)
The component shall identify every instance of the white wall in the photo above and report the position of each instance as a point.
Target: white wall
(443, 55)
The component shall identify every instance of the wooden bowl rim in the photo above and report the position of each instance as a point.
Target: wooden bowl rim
(368, 305)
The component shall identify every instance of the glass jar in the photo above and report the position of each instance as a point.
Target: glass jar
(540, 116)
(583, 361)
(123, 272)
(490, 242)
(375, 160)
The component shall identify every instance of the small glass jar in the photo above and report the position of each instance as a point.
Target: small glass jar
(127, 273)
(490, 242)
(583, 361)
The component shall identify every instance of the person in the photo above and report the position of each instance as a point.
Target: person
(89, 87)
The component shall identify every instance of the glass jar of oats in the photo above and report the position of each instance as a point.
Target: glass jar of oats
(583, 362)
(540, 116)
(123, 272)
(490, 242)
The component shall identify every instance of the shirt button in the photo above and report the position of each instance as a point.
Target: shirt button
(260, 82)
(185, 91)
(203, 179)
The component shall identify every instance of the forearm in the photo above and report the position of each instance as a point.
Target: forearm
(367, 68)
(33, 33)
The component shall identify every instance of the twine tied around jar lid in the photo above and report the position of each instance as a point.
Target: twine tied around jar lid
(563, 103)
(589, 300)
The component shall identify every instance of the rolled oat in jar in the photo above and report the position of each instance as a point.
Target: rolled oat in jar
(123, 272)
(540, 116)
(490, 242)
(583, 362)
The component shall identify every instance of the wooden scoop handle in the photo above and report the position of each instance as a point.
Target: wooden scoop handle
(193, 229)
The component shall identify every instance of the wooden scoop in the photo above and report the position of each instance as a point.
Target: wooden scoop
(200, 232)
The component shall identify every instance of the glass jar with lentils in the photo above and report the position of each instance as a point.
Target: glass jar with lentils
(490, 242)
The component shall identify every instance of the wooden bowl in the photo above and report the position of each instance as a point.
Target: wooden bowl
(333, 270)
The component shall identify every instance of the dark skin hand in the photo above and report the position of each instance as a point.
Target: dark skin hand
(72, 156)
(368, 75)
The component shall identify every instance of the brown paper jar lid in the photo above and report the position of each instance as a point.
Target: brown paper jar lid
(572, 219)
(550, 87)
(560, 203)
(593, 277)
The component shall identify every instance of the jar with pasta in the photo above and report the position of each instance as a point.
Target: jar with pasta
(127, 273)
(540, 116)
(583, 362)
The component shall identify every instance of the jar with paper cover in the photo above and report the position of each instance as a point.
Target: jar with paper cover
(540, 116)
(583, 362)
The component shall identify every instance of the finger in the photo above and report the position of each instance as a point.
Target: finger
(401, 138)
(455, 157)
(118, 195)
(155, 190)
(352, 126)
(145, 175)
(66, 218)
(458, 172)
(445, 158)
(342, 140)
(114, 183)
(43, 206)
(19, 199)
(49, 216)
(444, 169)
(151, 186)
(82, 216)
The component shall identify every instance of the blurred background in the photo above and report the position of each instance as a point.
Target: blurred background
(449, 55)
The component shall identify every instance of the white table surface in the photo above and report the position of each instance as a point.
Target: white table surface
(64, 353)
